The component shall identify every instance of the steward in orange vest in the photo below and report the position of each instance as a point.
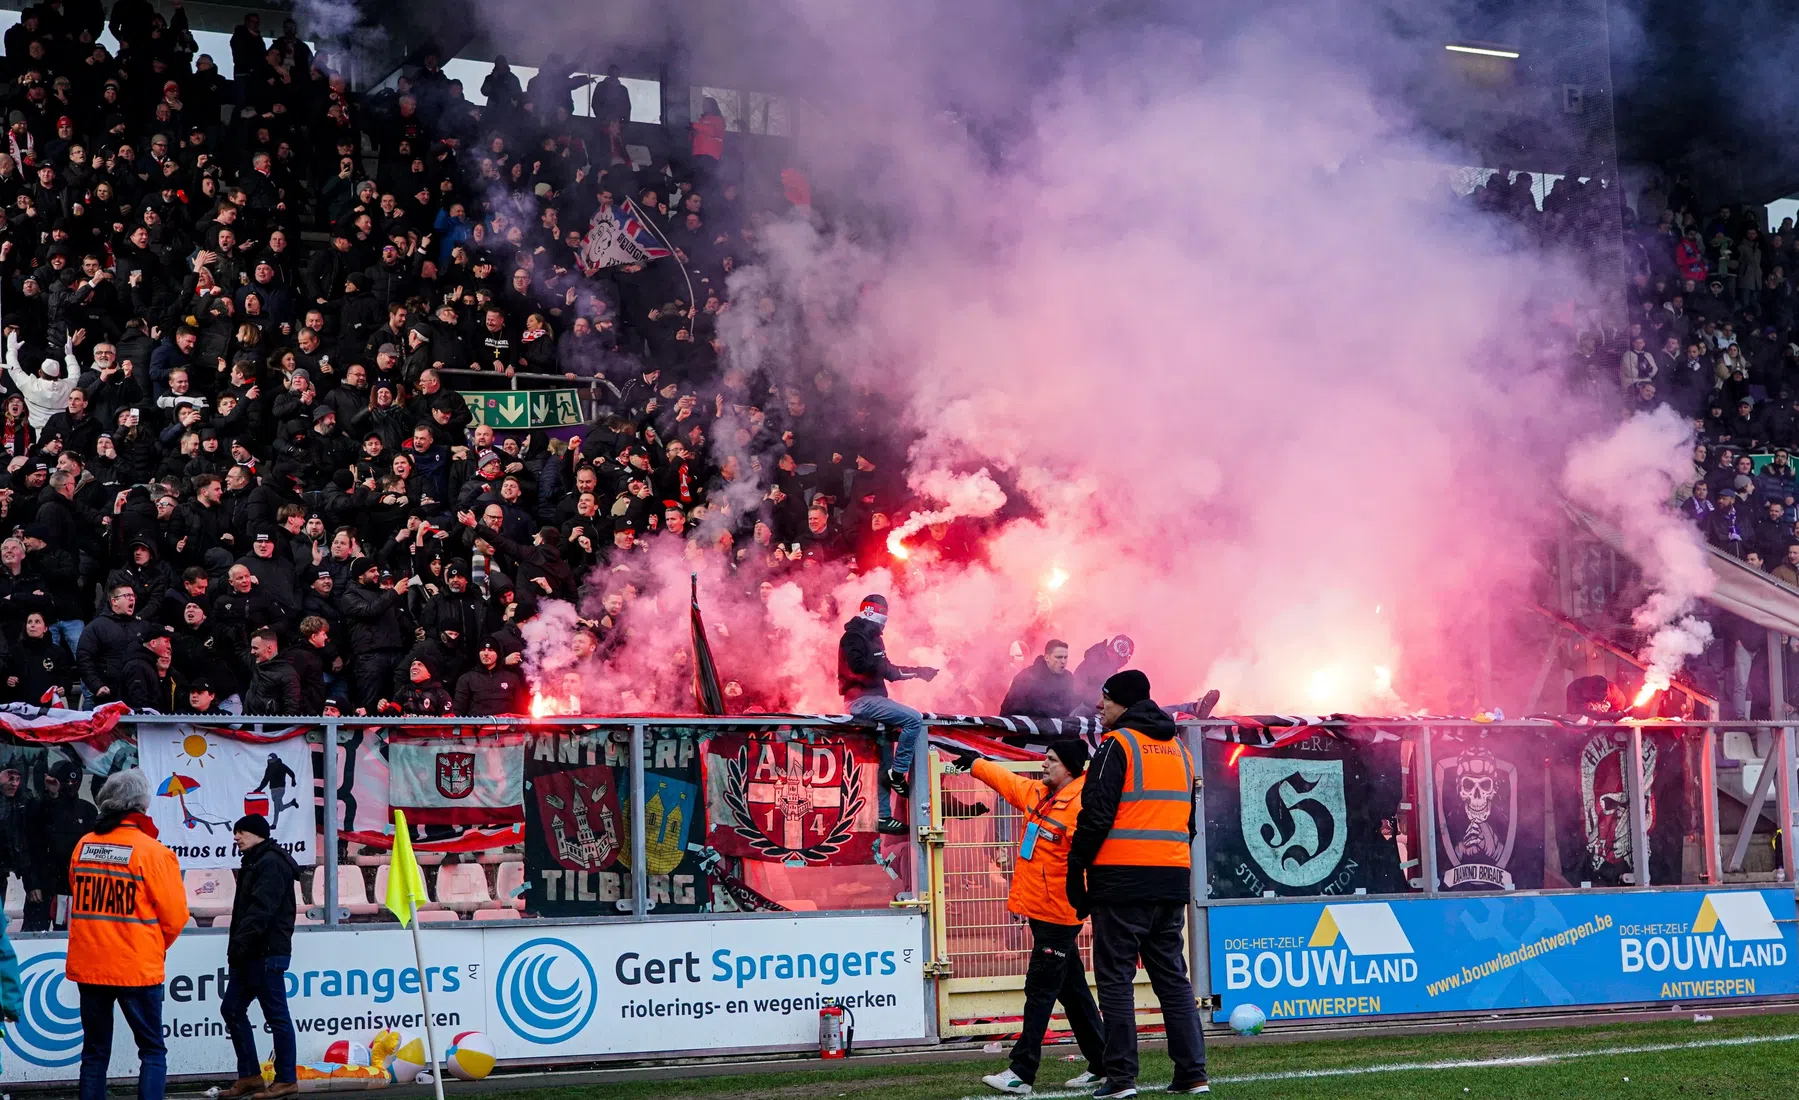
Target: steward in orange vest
(128, 906)
(1131, 864)
(1040, 894)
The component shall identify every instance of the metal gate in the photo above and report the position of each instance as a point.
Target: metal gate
(985, 949)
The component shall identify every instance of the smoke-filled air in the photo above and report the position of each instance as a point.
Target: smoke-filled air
(1192, 341)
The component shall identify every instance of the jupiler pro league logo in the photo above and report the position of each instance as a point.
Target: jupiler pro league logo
(1294, 817)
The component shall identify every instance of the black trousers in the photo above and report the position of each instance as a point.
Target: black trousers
(1122, 934)
(373, 675)
(1056, 974)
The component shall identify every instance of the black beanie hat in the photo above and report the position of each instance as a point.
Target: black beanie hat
(252, 823)
(1127, 688)
(1072, 752)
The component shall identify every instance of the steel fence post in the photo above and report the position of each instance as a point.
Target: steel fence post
(1427, 811)
(1639, 817)
(1199, 924)
(1783, 757)
(640, 845)
(329, 757)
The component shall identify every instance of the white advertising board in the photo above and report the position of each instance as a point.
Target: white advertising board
(538, 992)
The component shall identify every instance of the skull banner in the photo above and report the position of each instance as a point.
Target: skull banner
(1589, 782)
(1488, 790)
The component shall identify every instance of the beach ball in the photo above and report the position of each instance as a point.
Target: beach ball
(470, 1056)
(408, 1061)
(347, 1053)
(1247, 1020)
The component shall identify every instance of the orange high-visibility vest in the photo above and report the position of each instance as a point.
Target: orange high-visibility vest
(1153, 811)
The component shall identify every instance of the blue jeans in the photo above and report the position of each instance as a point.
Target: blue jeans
(68, 632)
(265, 982)
(899, 747)
(142, 1005)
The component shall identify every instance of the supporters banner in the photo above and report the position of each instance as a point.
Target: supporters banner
(1308, 816)
(619, 235)
(1487, 785)
(1588, 787)
(777, 796)
(203, 778)
(457, 780)
(578, 822)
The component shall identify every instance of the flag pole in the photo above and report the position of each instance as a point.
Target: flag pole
(418, 955)
(693, 307)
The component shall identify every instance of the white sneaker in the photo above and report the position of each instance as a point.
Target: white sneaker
(1007, 1082)
(1086, 1080)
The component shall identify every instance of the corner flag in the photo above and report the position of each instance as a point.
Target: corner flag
(405, 879)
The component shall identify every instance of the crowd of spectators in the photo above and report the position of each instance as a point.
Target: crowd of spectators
(238, 473)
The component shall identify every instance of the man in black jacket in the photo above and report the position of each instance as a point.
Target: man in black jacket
(54, 824)
(375, 633)
(1130, 864)
(258, 952)
(491, 687)
(274, 685)
(1044, 689)
(107, 642)
(863, 672)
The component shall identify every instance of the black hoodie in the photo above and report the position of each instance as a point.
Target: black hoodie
(1113, 884)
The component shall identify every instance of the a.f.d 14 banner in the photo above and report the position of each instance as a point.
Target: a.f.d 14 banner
(1502, 951)
(203, 778)
(785, 798)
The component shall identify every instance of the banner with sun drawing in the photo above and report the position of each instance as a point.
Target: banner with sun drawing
(204, 778)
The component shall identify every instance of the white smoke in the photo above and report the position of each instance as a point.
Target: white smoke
(1627, 478)
(964, 496)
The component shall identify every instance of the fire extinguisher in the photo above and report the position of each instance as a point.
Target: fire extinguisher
(834, 1039)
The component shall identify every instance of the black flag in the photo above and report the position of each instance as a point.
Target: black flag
(707, 694)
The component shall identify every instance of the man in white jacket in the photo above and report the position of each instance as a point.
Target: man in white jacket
(46, 393)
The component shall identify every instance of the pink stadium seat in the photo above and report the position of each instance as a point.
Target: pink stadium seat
(209, 892)
(496, 914)
(462, 886)
(352, 891)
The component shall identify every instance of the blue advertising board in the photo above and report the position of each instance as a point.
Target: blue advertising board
(1297, 960)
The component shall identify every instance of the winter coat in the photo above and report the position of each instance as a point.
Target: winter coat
(121, 937)
(1040, 879)
(374, 619)
(1123, 885)
(262, 912)
(1036, 692)
(500, 690)
(105, 645)
(274, 688)
(862, 664)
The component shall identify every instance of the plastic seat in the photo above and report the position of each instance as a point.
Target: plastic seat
(381, 891)
(436, 916)
(496, 914)
(352, 890)
(509, 882)
(15, 897)
(462, 886)
(223, 920)
(209, 892)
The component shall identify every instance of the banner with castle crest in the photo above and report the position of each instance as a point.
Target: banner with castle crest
(578, 822)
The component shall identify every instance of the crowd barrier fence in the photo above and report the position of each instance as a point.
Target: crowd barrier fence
(1395, 927)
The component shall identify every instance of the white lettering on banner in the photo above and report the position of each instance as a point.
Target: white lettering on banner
(1659, 953)
(203, 781)
(1300, 969)
(561, 991)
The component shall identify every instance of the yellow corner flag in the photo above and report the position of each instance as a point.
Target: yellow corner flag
(405, 881)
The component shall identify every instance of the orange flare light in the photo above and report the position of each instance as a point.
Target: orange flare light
(897, 546)
(1056, 579)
